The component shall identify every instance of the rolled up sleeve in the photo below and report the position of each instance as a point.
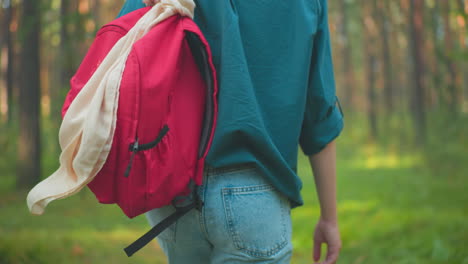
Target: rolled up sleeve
(323, 117)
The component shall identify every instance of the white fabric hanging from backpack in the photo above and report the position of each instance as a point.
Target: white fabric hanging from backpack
(88, 127)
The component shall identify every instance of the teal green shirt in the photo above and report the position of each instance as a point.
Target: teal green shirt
(276, 84)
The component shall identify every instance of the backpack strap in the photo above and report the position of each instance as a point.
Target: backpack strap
(195, 202)
(157, 229)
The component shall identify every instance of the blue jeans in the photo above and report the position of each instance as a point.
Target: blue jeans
(244, 220)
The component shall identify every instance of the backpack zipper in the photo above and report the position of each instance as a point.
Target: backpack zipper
(135, 147)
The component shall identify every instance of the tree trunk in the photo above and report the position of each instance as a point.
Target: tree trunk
(384, 25)
(371, 93)
(370, 34)
(449, 62)
(97, 14)
(400, 60)
(437, 73)
(65, 62)
(10, 76)
(464, 15)
(3, 93)
(82, 11)
(29, 97)
(7, 40)
(417, 47)
(347, 51)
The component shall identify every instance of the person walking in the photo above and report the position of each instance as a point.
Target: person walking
(276, 93)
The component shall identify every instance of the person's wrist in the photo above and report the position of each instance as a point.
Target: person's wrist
(332, 220)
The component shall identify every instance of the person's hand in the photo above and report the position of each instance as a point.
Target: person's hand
(150, 2)
(327, 232)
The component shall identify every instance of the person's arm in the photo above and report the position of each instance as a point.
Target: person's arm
(326, 231)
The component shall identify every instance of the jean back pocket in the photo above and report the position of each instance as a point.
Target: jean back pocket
(257, 218)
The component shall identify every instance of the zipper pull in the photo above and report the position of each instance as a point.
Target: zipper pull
(133, 148)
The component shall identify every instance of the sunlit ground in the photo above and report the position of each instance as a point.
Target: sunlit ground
(391, 210)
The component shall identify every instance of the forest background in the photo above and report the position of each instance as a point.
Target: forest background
(402, 78)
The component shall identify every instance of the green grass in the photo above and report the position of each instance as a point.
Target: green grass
(393, 208)
(74, 230)
(391, 211)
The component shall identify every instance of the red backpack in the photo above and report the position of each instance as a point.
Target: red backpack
(166, 118)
